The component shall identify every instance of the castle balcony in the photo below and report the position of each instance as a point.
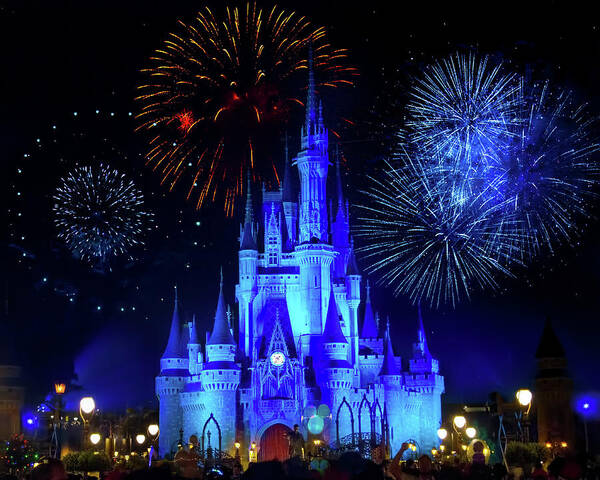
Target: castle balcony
(424, 380)
(268, 408)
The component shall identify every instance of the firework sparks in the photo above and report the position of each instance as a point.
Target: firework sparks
(221, 88)
(99, 213)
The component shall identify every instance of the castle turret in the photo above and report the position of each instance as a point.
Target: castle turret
(220, 377)
(553, 390)
(337, 373)
(247, 286)
(424, 377)
(174, 371)
(193, 346)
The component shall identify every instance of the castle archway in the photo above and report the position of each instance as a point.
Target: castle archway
(274, 443)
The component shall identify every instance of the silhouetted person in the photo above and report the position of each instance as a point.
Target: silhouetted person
(296, 441)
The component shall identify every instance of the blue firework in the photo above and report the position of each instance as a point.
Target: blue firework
(99, 213)
(548, 175)
(463, 107)
(426, 239)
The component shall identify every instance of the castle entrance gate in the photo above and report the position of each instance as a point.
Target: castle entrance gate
(274, 443)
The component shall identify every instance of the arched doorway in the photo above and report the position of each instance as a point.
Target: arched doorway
(274, 443)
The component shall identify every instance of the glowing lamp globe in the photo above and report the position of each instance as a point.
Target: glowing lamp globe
(60, 388)
(442, 433)
(315, 425)
(153, 430)
(87, 405)
(471, 432)
(95, 438)
(237, 445)
(460, 421)
(524, 397)
(140, 438)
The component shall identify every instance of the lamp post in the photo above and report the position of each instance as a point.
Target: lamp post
(524, 398)
(470, 432)
(56, 441)
(95, 439)
(87, 407)
(458, 423)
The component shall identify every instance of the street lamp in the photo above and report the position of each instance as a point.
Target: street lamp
(87, 406)
(140, 438)
(95, 438)
(153, 430)
(524, 397)
(459, 421)
(442, 433)
(471, 432)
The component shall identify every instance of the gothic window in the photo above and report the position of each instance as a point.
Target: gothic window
(276, 370)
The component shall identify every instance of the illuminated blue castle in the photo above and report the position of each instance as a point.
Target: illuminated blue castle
(299, 345)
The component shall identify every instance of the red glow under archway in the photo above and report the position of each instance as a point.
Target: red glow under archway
(274, 443)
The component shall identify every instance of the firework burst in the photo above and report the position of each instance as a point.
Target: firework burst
(427, 240)
(99, 213)
(548, 174)
(221, 89)
(463, 107)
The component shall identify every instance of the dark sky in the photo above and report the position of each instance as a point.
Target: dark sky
(63, 57)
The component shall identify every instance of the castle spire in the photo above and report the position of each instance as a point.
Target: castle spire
(369, 328)
(221, 335)
(340, 192)
(194, 337)
(174, 343)
(389, 365)
(289, 193)
(311, 103)
(352, 267)
(248, 241)
(422, 339)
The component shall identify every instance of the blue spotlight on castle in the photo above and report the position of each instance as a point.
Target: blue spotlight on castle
(299, 357)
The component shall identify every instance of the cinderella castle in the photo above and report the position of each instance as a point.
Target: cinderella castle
(302, 355)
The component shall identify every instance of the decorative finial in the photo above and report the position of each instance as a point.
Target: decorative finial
(221, 282)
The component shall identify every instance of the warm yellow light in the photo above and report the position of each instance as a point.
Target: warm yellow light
(116, 453)
(524, 397)
(413, 448)
(253, 445)
(442, 448)
(60, 388)
(471, 432)
(317, 442)
(464, 447)
(153, 430)
(87, 405)
(563, 444)
(548, 445)
(236, 444)
(433, 451)
(459, 421)
(140, 438)
(95, 438)
(486, 452)
(442, 433)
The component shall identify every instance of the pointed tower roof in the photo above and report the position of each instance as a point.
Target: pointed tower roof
(352, 267)
(421, 337)
(221, 335)
(194, 337)
(369, 327)
(289, 191)
(173, 349)
(389, 366)
(549, 346)
(332, 333)
(248, 241)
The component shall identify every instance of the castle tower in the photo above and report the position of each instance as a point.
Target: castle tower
(193, 347)
(424, 378)
(247, 288)
(369, 326)
(336, 371)
(12, 392)
(174, 370)
(220, 378)
(553, 390)
(313, 253)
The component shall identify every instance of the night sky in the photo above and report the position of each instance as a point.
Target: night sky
(107, 329)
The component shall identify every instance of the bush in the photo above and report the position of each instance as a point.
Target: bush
(526, 455)
(87, 461)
